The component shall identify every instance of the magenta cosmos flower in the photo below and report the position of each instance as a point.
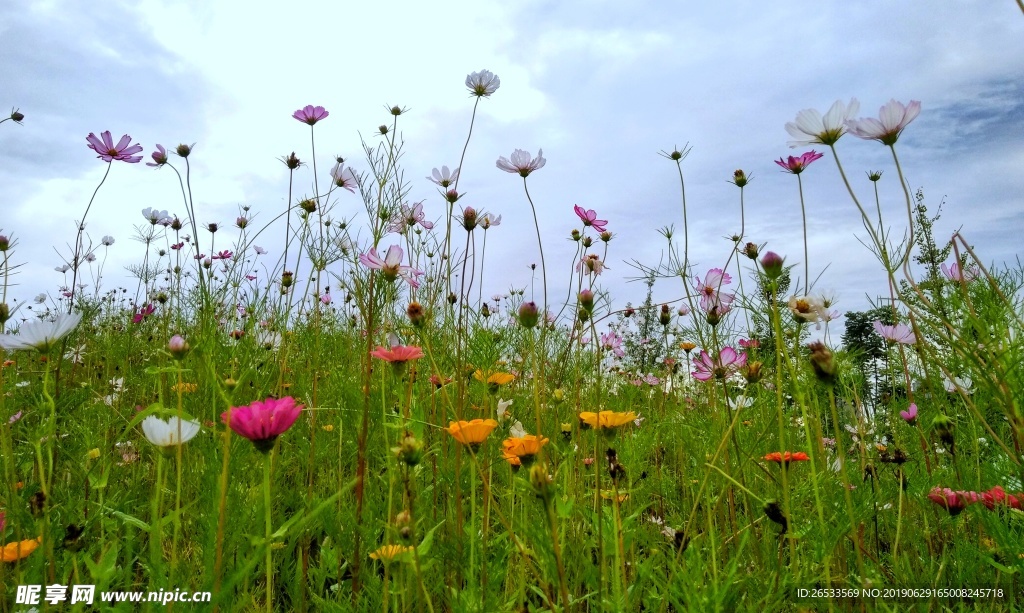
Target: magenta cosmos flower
(391, 265)
(521, 163)
(796, 165)
(589, 218)
(954, 501)
(910, 415)
(263, 422)
(728, 363)
(310, 114)
(900, 333)
(810, 128)
(123, 151)
(892, 118)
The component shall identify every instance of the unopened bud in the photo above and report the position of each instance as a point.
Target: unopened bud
(823, 362)
(529, 314)
(178, 347)
(772, 264)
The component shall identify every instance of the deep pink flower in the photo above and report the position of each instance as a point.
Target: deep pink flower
(910, 415)
(728, 363)
(892, 118)
(521, 163)
(159, 157)
(900, 333)
(589, 218)
(108, 152)
(998, 496)
(391, 265)
(796, 165)
(223, 255)
(398, 353)
(310, 114)
(143, 313)
(953, 501)
(751, 344)
(263, 422)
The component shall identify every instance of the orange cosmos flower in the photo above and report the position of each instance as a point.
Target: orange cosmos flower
(606, 419)
(494, 380)
(14, 551)
(471, 433)
(524, 447)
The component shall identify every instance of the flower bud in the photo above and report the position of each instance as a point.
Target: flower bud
(178, 347)
(739, 178)
(587, 241)
(183, 150)
(576, 236)
(410, 450)
(529, 314)
(586, 298)
(943, 428)
(665, 318)
(5, 243)
(751, 251)
(287, 278)
(469, 218)
(606, 236)
(752, 372)
(241, 222)
(307, 205)
(383, 129)
(824, 364)
(772, 264)
(485, 310)
(542, 482)
(415, 313)
(16, 116)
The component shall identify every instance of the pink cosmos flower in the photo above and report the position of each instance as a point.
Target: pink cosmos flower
(344, 177)
(589, 218)
(796, 165)
(953, 272)
(398, 353)
(108, 151)
(310, 114)
(444, 177)
(900, 333)
(159, 157)
(893, 117)
(521, 163)
(391, 265)
(728, 363)
(751, 344)
(611, 341)
(711, 299)
(910, 415)
(223, 255)
(325, 299)
(592, 264)
(409, 216)
(263, 422)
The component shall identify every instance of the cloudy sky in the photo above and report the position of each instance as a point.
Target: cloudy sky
(601, 86)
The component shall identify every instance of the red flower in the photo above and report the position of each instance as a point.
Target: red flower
(785, 458)
(953, 501)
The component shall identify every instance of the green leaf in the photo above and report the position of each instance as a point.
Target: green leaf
(424, 547)
(128, 519)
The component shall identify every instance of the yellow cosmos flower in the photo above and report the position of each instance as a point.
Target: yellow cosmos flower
(391, 553)
(471, 432)
(609, 495)
(14, 551)
(184, 388)
(607, 419)
(494, 380)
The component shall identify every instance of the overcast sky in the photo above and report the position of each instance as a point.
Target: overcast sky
(601, 86)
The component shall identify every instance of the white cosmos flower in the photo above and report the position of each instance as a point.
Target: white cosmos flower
(892, 118)
(483, 83)
(41, 335)
(41, 298)
(165, 433)
(503, 406)
(521, 162)
(444, 177)
(810, 128)
(517, 430)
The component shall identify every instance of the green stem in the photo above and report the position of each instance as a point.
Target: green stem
(268, 529)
